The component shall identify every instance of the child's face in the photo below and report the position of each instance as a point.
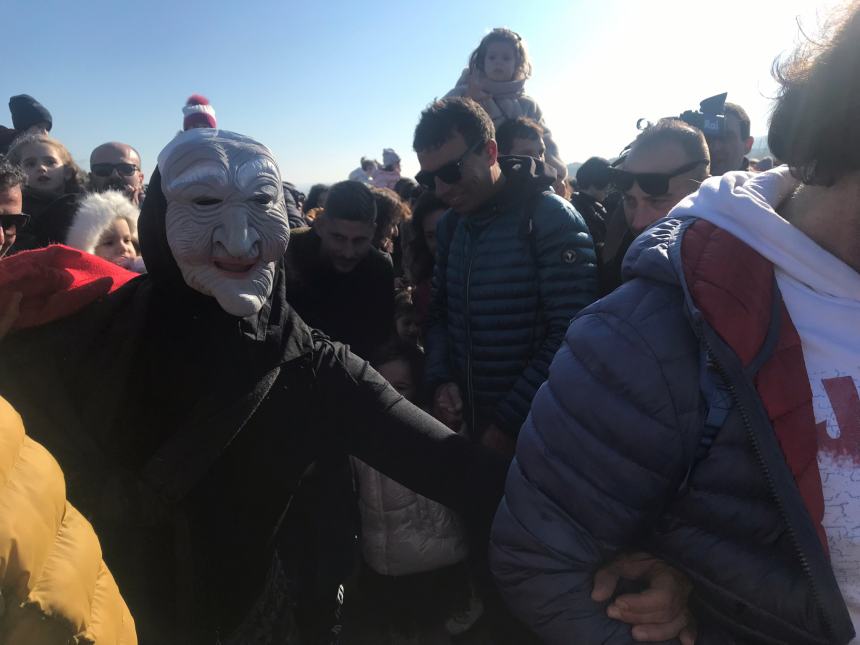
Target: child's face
(500, 62)
(397, 373)
(116, 244)
(43, 168)
(407, 328)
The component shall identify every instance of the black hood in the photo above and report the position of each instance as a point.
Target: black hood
(521, 172)
(525, 177)
(152, 232)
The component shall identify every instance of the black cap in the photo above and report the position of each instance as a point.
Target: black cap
(27, 111)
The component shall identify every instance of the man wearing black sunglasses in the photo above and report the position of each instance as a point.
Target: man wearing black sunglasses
(11, 201)
(117, 166)
(667, 162)
(514, 264)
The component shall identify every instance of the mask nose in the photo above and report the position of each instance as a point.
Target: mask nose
(234, 234)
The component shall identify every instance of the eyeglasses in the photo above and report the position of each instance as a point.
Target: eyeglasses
(449, 173)
(18, 220)
(105, 169)
(653, 183)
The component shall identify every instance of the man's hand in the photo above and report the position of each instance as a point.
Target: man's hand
(135, 195)
(657, 614)
(448, 405)
(499, 441)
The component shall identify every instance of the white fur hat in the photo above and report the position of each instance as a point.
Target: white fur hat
(96, 213)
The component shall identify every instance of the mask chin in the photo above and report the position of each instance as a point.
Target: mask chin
(240, 305)
(240, 298)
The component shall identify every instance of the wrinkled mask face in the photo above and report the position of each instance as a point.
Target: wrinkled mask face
(226, 218)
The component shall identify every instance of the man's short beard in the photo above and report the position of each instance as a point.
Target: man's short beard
(112, 183)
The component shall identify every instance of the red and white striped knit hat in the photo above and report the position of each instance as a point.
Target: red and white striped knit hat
(198, 113)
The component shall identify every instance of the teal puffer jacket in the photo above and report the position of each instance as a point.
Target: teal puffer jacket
(508, 280)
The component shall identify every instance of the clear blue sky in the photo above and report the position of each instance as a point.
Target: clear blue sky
(324, 83)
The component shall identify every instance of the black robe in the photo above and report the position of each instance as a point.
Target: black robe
(183, 432)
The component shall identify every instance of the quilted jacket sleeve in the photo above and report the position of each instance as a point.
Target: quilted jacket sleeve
(567, 277)
(57, 588)
(601, 453)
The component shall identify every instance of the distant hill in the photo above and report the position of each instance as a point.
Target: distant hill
(760, 148)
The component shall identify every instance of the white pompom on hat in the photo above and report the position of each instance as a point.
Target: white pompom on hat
(198, 113)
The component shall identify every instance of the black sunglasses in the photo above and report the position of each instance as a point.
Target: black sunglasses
(653, 183)
(105, 169)
(18, 220)
(449, 173)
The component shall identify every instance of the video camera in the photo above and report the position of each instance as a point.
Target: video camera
(710, 118)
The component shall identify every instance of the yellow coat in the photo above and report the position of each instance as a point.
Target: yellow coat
(54, 587)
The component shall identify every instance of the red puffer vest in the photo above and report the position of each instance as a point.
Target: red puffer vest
(734, 288)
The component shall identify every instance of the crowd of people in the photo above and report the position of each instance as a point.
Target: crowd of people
(493, 404)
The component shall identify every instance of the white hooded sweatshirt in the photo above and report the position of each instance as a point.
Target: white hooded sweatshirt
(822, 295)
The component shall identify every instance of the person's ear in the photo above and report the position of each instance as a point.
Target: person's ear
(748, 144)
(68, 172)
(492, 152)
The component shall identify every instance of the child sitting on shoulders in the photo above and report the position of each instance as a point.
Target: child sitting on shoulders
(495, 78)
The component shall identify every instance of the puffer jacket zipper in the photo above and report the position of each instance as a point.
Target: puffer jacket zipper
(470, 397)
(765, 469)
(698, 325)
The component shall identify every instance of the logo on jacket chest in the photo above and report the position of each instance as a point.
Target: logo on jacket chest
(568, 256)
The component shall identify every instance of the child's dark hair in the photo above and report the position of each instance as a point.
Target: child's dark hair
(313, 198)
(403, 305)
(390, 209)
(395, 349)
(407, 189)
(523, 68)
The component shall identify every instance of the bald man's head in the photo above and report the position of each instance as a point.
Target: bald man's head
(116, 165)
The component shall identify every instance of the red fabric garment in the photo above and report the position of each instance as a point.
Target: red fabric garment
(56, 282)
(733, 287)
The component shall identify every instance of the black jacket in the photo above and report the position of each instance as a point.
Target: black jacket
(594, 214)
(355, 308)
(50, 219)
(183, 433)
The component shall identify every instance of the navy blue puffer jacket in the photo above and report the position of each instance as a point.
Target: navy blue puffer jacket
(610, 461)
(507, 282)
